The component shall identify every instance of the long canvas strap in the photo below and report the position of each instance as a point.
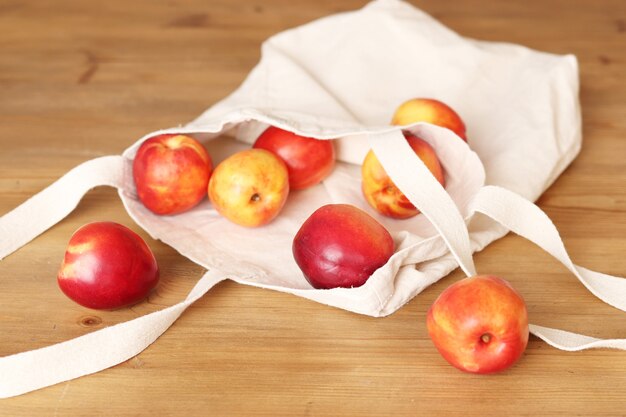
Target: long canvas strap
(55, 202)
(28, 371)
(507, 208)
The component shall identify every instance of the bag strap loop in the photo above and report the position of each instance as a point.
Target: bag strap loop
(529, 221)
(505, 207)
(54, 203)
(93, 352)
(414, 179)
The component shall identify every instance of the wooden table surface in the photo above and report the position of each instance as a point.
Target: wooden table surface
(82, 79)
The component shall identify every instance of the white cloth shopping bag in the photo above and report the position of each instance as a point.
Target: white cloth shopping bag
(340, 78)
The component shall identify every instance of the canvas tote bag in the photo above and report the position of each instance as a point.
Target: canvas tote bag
(340, 78)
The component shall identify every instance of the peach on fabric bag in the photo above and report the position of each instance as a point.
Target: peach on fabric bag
(340, 78)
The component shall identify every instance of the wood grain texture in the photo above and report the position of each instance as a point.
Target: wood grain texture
(83, 79)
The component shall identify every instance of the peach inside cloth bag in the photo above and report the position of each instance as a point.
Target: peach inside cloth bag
(340, 78)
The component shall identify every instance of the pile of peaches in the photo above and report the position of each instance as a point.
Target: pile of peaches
(478, 324)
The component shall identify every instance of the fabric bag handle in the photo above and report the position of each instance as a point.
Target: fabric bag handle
(529, 221)
(414, 179)
(514, 212)
(55, 202)
(28, 371)
(95, 351)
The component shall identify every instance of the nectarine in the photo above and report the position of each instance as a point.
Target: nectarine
(308, 160)
(340, 245)
(107, 266)
(250, 187)
(479, 324)
(380, 191)
(171, 173)
(431, 111)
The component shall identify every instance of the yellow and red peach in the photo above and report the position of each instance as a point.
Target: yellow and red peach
(430, 111)
(380, 191)
(250, 187)
(479, 324)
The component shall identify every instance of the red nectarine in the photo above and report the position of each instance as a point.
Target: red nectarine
(308, 160)
(340, 245)
(171, 173)
(107, 266)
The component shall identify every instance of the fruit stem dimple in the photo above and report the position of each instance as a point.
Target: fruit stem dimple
(485, 338)
(255, 197)
(175, 141)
